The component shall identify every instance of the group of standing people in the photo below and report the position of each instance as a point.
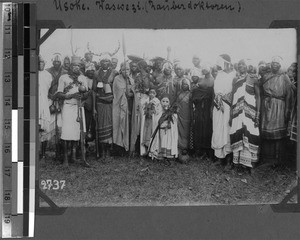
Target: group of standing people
(233, 114)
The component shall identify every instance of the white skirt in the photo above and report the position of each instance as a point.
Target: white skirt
(70, 129)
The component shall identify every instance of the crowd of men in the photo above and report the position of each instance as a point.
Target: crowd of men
(236, 114)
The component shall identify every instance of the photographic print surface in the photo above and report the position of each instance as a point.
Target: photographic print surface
(134, 117)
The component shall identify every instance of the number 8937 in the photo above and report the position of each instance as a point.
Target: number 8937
(53, 184)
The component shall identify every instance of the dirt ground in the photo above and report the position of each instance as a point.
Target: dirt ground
(124, 181)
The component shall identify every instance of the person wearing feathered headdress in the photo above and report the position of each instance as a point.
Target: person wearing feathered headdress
(68, 90)
(275, 112)
(45, 80)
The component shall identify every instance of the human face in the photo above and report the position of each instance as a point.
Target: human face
(275, 67)
(125, 70)
(134, 67)
(88, 57)
(184, 86)
(75, 68)
(90, 73)
(242, 67)
(195, 79)
(165, 102)
(114, 63)
(152, 94)
(67, 63)
(105, 64)
(179, 71)
(205, 72)
(56, 64)
(167, 71)
(41, 65)
(196, 61)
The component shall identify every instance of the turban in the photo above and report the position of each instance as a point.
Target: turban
(41, 59)
(277, 59)
(222, 59)
(177, 63)
(196, 72)
(114, 59)
(187, 81)
(196, 56)
(165, 95)
(75, 60)
(206, 66)
(105, 56)
(56, 57)
(90, 67)
(167, 65)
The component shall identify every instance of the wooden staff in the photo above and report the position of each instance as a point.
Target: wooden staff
(82, 133)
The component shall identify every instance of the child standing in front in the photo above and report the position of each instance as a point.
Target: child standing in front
(149, 120)
(165, 142)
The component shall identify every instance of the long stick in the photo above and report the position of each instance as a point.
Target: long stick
(56, 132)
(96, 122)
(82, 137)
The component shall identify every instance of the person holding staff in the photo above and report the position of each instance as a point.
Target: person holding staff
(68, 90)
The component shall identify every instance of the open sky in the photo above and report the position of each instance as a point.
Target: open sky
(254, 44)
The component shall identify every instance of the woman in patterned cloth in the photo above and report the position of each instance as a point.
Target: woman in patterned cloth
(103, 99)
(244, 119)
(276, 109)
(184, 118)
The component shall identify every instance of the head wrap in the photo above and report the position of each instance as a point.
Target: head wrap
(222, 59)
(105, 56)
(196, 56)
(206, 66)
(90, 67)
(277, 59)
(187, 80)
(176, 63)
(167, 65)
(56, 57)
(75, 60)
(114, 59)
(165, 95)
(41, 59)
(197, 72)
(262, 64)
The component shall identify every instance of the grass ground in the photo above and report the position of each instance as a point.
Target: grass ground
(122, 181)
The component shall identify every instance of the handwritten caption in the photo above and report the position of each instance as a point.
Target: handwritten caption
(146, 6)
(50, 184)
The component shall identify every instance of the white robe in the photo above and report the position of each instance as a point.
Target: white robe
(220, 138)
(45, 80)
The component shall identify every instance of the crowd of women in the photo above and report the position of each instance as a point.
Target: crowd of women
(235, 114)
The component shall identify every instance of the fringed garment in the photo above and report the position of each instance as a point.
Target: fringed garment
(275, 114)
(244, 135)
